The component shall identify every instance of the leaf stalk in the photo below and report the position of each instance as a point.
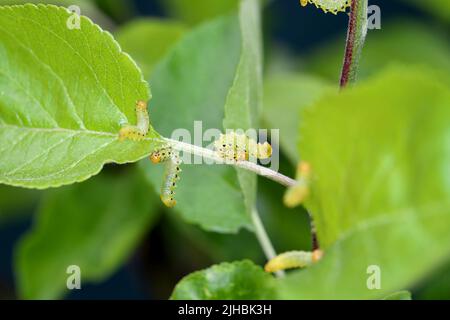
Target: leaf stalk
(356, 35)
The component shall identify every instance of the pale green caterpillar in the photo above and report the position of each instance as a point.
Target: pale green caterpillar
(239, 147)
(171, 174)
(140, 130)
(333, 6)
(297, 194)
(292, 260)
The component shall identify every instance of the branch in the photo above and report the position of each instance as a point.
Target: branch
(260, 231)
(250, 166)
(264, 239)
(356, 35)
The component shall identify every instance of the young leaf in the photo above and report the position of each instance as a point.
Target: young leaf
(380, 196)
(207, 195)
(94, 225)
(64, 95)
(227, 281)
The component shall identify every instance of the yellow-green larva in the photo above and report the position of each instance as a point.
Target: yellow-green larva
(293, 260)
(333, 6)
(140, 130)
(238, 147)
(171, 174)
(299, 193)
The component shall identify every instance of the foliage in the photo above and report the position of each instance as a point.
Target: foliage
(199, 202)
(93, 225)
(227, 281)
(391, 222)
(380, 196)
(55, 138)
(379, 151)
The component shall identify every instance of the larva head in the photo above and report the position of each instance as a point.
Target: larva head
(155, 157)
(304, 170)
(303, 3)
(141, 105)
(264, 151)
(317, 255)
(168, 201)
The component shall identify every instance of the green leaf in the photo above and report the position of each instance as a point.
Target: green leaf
(196, 11)
(208, 196)
(401, 295)
(227, 281)
(148, 40)
(285, 95)
(64, 95)
(186, 92)
(404, 42)
(87, 7)
(244, 100)
(380, 154)
(289, 229)
(94, 225)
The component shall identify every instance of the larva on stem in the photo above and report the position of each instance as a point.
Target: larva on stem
(293, 260)
(239, 147)
(171, 174)
(333, 6)
(296, 195)
(140, 130)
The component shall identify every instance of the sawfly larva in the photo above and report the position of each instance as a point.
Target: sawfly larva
(293, 260)
(140, 130)
(333, 6)
(171, 175)
(239, 147)
(297, 194)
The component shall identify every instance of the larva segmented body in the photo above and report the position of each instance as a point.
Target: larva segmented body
(140, 130)
(333, 6)
(293, 260)
(171, 174)
(297, 194)
(239, 147)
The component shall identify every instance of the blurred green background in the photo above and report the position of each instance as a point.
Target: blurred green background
(302, 45)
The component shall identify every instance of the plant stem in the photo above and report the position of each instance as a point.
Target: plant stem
(263, 238)
(211, 155)
(260, 231)
(356, 35)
